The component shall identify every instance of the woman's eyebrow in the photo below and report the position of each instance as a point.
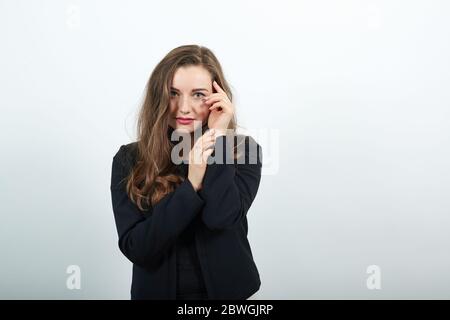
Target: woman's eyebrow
(197, 89)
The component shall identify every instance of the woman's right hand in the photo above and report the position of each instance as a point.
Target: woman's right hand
(198, 156)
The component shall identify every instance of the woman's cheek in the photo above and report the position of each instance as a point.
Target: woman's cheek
(205, 114)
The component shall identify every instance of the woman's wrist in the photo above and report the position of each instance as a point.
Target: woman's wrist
(196, 186)
(219, 132)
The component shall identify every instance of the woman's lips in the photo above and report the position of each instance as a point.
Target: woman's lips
(184, 120)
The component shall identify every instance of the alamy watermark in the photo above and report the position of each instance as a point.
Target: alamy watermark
(74, 279)
(261, 141)
(373, 282)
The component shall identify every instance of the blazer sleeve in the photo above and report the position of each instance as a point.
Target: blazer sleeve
(229, 187)
(145, 235)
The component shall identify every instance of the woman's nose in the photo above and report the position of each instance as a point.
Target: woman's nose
(184, 105)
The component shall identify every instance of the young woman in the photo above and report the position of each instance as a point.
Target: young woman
(181, 216)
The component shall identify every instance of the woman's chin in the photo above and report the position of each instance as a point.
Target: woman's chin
(184, 128)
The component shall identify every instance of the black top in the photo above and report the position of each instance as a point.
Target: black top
(213, 221)
(190, 283)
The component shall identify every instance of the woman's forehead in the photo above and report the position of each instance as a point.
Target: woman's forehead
(191, 78)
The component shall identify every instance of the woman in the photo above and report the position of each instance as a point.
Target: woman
(180, 217)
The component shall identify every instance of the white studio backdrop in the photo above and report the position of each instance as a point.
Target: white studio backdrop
(356, 93)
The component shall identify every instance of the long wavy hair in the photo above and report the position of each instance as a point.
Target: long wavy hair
(153, 174)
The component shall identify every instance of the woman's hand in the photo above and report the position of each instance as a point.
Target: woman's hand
(198, 156)
(222, 110)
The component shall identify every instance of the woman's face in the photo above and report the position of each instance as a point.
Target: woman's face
(189, 85)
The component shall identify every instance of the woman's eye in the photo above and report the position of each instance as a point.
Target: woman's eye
(197, 94)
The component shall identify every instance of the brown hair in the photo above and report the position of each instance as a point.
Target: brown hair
(153, 175)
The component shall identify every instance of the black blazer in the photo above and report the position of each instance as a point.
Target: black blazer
(147, 238)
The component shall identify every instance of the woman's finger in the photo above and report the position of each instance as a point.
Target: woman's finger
(206, 154)
(209, 145)
(218, 88)
(208, 140)
(218, 105)
(215, 97)
(212, 96)
(205, 137)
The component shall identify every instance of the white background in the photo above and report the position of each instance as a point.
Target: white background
(357, 90)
